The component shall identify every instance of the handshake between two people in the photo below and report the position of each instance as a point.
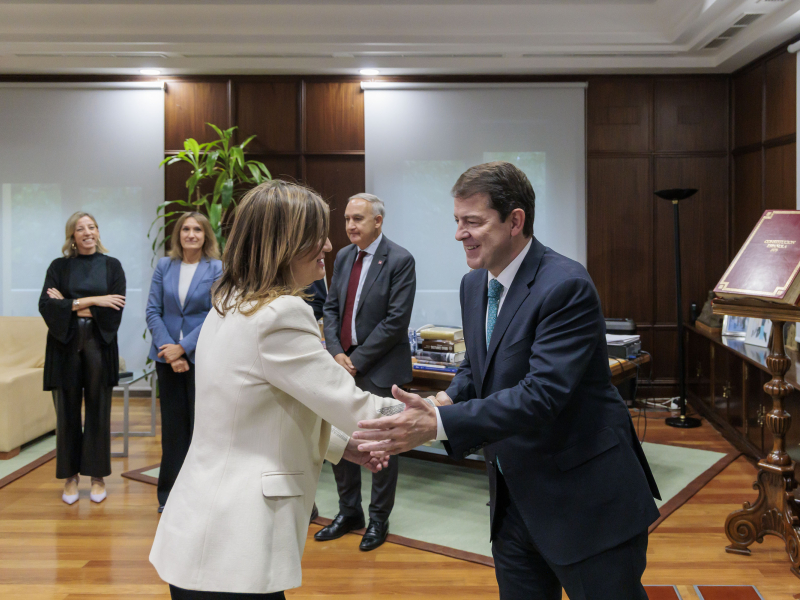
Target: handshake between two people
(378, 439)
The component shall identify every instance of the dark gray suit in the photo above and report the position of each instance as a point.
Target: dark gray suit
(382, 356)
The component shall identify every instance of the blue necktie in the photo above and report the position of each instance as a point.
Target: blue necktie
(495, 291)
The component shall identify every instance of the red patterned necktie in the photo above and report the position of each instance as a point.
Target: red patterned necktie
(346, 336)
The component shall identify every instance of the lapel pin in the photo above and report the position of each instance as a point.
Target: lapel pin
(380, 262)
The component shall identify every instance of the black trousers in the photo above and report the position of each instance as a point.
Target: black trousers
(83, 449)
(384, 483)
(181, 594)
(176, 391)
(524, 574)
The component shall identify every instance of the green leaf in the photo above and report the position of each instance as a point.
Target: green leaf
(215, 216)
(194, 180)
(221, 179)
(255, 171)
(192, 151)
(227, 193)
(211, 161)
(216, 129)
(238, 155)
(247, 141)
(263, 168)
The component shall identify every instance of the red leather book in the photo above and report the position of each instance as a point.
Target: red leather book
(768, 263)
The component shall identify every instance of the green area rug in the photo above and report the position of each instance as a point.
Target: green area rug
(446, 505)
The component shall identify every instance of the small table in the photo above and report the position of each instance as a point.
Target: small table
(125, 384)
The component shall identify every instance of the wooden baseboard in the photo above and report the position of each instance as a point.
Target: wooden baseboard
(9, 454)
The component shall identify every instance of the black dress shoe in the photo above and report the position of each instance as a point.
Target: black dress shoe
(314, 513)
(339, 527)
(375, 535)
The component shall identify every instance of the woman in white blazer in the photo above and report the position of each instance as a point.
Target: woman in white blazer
(267, 396)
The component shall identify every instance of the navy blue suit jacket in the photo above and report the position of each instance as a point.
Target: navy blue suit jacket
(540, 399)
(166, 318)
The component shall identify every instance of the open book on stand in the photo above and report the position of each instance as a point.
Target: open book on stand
(767, 266)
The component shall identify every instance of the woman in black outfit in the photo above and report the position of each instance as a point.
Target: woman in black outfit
(81, 302)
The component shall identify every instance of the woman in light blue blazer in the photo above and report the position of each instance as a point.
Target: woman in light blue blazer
(180, 298)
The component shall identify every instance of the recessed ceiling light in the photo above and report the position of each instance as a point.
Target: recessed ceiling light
(370, 72)
(149, 71)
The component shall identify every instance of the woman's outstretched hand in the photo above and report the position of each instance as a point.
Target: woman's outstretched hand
(373, 463)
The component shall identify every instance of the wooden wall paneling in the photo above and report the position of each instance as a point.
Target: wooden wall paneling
(703, 231)
(780, 172)
(286, 167)
(620, 247)
(619, 115)
(188, 106)
(270, 111)
(748, 93)
(665, 353)
(334, 117)
(646, 334)
(747, 202)
(691, 115)
(336, 178)
(780, 95)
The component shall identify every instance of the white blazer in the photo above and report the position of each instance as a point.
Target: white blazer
(267, 393)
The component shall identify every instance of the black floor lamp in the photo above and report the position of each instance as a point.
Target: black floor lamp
(675, 196)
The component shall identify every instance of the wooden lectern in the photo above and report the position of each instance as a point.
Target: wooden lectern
(776, 510)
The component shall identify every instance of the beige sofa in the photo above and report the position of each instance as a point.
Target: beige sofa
(26, 411)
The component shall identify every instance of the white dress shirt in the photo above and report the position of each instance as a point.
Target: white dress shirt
(184, 281)
(365, 264)
(506, 278)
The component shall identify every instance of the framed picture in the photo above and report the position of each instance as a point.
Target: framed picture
(758, 331)
(735, 326)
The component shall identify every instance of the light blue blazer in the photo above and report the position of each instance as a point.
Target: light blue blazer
(166, 318)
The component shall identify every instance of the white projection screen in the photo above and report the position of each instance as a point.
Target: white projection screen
(75, 147)
(421, 137)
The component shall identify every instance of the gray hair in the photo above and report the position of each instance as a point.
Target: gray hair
(378, 207)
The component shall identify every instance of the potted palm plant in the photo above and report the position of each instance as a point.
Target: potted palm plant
(219, 162)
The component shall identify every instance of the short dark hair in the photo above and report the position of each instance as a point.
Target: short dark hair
(507, 186)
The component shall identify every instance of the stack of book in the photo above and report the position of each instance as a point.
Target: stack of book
(440, 349)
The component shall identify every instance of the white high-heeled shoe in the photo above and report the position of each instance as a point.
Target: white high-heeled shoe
(98, 493)
(71, 498)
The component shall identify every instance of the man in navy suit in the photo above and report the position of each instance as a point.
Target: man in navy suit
(571, 491)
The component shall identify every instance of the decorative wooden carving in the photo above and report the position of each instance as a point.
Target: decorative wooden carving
(776, 509)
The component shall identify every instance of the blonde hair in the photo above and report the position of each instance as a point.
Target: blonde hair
(210, 244)
(275, 222)
(70, 249)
